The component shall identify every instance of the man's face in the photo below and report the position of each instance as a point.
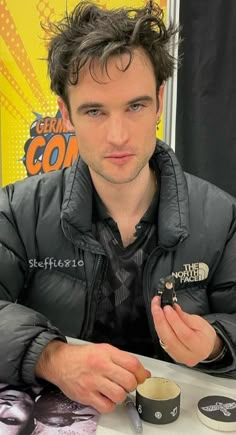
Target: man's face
(114, 117)
(15, 409)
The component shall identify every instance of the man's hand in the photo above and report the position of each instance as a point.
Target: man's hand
(188, 338)
(98, 375)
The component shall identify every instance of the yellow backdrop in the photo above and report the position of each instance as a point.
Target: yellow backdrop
(33, 138)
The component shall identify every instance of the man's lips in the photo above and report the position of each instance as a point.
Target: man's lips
(118, 156)
(119, 159)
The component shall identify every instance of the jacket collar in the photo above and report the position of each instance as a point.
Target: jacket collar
(173, 211)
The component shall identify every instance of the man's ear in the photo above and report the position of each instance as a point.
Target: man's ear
(65, 114)
(160, 99)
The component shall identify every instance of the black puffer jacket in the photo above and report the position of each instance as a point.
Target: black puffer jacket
(50, 261)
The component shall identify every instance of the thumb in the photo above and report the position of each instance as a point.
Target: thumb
(148, 375)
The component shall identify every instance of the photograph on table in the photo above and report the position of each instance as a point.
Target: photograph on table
(31, 411)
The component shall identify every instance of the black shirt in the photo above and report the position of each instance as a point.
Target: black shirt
(121, 318)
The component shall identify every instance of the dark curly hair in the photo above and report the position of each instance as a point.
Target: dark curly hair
(90, 33)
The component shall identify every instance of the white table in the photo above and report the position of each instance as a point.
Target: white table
(194, 385)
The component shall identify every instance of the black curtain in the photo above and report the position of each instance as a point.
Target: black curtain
(206, 102)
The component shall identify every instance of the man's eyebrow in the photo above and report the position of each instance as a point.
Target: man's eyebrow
(146, 98)
(96, 105)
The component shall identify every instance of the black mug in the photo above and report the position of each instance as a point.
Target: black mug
(158, 400)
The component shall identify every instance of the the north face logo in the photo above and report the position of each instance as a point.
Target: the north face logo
(193, 272)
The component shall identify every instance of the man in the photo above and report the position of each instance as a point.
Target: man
(16, 410)
(83, 249)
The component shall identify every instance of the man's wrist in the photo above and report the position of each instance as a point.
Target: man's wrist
(45, 367)
(218, 357)
(218, 351)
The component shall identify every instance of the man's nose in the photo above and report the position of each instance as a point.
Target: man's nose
(117, 131)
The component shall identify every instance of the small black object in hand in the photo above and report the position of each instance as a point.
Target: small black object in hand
(167, 291)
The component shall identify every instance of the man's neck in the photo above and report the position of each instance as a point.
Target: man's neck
(126, 203)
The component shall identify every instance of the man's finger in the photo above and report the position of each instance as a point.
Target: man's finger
(164, 330)
(102, 403)
(156, 303)
(160, 321)
(132, 364)
(123, 377)
(184, 331)
(192, 320)
(112, 390)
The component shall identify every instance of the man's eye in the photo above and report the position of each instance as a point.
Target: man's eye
(93, 112)
(136, 107)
